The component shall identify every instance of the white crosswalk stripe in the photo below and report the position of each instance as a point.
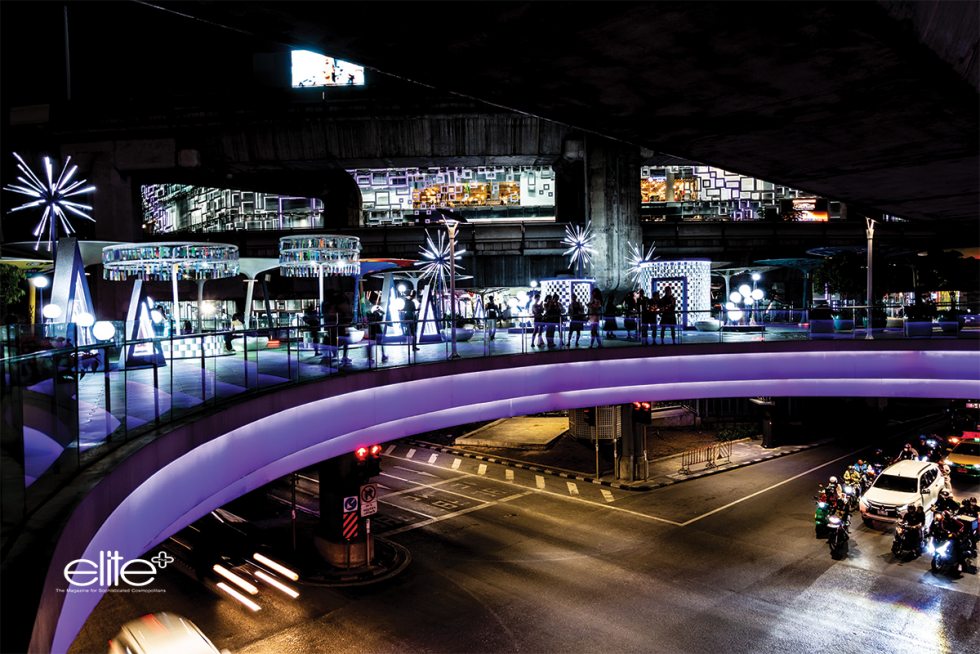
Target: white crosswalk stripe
(456, 463)
(572, 489)
(432, 459)
(483, 469)
(539, 480)
(410, 454)
(509, 475)
(608, 495)
(390, 449)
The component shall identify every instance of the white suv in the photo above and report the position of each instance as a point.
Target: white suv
(899, 487)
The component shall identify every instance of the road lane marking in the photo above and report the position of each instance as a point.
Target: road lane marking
(432, 459)
(569, 498)
(483, 469)
(410, 454)
(456, 463)
(414, 471)
(608, 495)
(389, 450)
(539, 481)
(471, 509)
(572, 489)
(785, 481)
(403, 508)
(509, 474)
(416, 485)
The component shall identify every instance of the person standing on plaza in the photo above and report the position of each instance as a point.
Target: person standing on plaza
(648, 317)
(552, 318)
(595, 313)
(609, 315)
(576, 320)
(668, 316)
(410, 316)
(630, 314)
(537, 313)
(493, 313)
(375, 318)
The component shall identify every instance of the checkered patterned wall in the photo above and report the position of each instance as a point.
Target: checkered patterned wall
(565, 288)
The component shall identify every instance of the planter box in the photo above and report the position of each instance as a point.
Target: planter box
(918, 329)
(707, 325)
(462, 334)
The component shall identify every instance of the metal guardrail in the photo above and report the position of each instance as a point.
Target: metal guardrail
(707, 455)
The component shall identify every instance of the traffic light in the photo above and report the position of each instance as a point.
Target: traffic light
(368, 460)
(642, 412)
(589, 414)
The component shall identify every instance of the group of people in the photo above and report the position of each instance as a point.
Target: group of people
(642, 316)
(644, 313)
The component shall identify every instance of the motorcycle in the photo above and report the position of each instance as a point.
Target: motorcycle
(838, 537)
(820, 517)
(907, 539)
(851, 498)
(949, 555)
(868, 478)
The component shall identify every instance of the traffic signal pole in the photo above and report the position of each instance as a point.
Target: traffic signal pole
(347, 499)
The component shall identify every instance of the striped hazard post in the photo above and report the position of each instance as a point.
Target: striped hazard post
(350, 525)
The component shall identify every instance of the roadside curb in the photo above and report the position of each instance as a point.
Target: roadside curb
(566, 474)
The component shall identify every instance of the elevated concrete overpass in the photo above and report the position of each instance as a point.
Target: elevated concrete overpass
(151, 488)
(872, 103)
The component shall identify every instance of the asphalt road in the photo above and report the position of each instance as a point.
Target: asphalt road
(507, 560)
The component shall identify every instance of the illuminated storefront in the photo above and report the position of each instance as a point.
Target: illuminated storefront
(483, 194)
(695, 192)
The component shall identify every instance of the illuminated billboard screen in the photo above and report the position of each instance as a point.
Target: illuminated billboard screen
(311, 69)
(804, 210)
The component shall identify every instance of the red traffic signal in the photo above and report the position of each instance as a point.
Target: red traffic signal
(369, 459)
(589, 415)
(642, 412)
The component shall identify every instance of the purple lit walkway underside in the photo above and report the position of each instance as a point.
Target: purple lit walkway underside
(226, 454)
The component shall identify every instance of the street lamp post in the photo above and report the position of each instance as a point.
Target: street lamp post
(452, 226)
(39, 282)
(868, 336)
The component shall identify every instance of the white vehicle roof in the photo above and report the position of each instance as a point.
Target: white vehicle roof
(907, 468)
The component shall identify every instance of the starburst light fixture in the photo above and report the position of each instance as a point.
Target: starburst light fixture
(53, 196)
(436, 258)
(636, 259)
(580, 241)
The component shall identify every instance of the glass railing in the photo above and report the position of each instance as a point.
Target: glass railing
(69, 398)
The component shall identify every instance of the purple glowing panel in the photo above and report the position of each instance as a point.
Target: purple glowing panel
(184, 482)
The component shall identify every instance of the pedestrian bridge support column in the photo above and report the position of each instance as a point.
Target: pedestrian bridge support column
(613, 206)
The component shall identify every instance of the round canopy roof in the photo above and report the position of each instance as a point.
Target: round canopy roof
(165, 261)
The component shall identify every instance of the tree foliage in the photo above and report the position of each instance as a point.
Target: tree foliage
(11, 279)
(844, 273)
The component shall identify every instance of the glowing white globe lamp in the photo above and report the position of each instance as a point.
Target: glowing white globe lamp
(398, 304)
(735, 297)
(735, 315)
(757, 294)
(104, 330)
(39, 281)
(745, 289)
(85, 320)
(52, 311)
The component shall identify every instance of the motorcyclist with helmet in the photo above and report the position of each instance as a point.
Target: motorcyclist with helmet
(946, 527)
(878, 460)
(946, 503)
(908, 453)
(833, 489)
(852, 477)
(915, 518)
(969, 508)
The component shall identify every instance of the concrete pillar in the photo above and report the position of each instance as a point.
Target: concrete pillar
(340, 479)
(670, 187)
(613, 206)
